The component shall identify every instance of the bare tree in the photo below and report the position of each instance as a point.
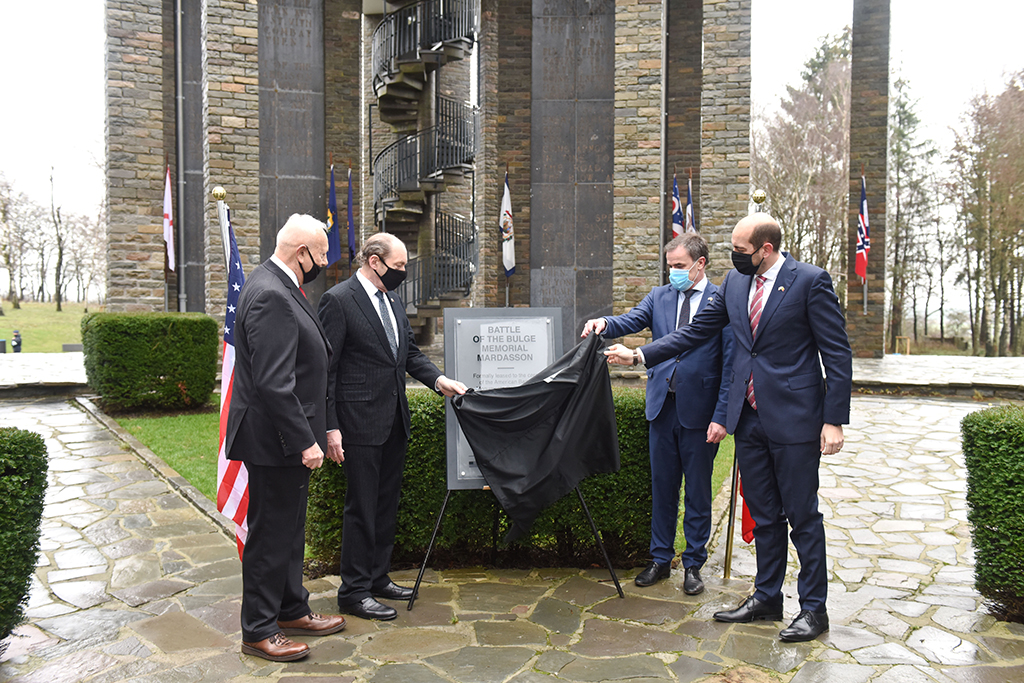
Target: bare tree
(799, 157)
(58, 231)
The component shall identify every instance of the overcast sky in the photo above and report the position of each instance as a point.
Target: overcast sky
(52, 75)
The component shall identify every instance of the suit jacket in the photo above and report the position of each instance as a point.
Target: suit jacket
(702, 376)
(279, 397)
(367, 383)
(801, 329)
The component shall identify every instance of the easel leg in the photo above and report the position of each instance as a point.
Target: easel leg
(600, 543)
(730, 528)
(433, 537)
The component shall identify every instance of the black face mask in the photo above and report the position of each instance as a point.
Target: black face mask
(314, 270)
(391, 277)
(744, 263)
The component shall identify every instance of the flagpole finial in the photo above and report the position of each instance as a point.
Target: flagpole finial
(219, 193)
(759, 197)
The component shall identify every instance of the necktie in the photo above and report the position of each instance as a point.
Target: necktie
(385, 318)
(684, 320)
(755, 318)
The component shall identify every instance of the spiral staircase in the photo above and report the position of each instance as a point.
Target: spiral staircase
(411, 43)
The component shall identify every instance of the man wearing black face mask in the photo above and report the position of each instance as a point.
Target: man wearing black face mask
(374, 348)
(787, 325)
(277, 425)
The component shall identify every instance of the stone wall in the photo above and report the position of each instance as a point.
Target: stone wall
(725, 129)
(636, 258)
(869, 104)
(135, 154)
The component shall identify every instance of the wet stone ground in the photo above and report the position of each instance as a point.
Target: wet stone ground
(135, 583)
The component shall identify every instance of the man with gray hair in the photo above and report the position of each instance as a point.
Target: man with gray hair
(686, 403)
(277, 426)
(374, 348)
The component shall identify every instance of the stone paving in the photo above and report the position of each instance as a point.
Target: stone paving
(135, 583)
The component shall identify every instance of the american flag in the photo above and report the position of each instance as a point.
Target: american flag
(677, 209)
(863, 234)
(232, 478)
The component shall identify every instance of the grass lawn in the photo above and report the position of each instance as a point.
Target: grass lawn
(186, 442)
(43, 329)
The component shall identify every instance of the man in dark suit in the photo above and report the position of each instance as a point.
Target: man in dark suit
(787, 325)
(686, 403)
(374, 348)
(277, 426)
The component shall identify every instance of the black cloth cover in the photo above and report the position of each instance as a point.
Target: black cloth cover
(535, 442)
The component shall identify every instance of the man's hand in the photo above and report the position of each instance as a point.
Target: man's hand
(334, 450)
(831, 439)
(617, 354)
(450, 387)
(595, 325)
(313, 456)
(716, 432)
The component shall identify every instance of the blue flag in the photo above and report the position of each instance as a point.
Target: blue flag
(351, 222)
(333, 239)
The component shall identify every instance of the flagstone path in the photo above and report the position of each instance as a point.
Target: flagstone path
(135, 583)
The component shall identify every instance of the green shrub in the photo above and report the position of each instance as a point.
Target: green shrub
(150, 360)
(993, 444)
(22, 486)
(474, 524)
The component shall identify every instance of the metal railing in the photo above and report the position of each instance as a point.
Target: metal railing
(423, 156)
(451, 267)
(426, 25)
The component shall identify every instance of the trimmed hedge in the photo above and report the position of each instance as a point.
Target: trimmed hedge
(22, 487)
(474, 525)
(149, 361)
(993, 445)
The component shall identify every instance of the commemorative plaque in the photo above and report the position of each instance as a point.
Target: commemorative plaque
(490, 348)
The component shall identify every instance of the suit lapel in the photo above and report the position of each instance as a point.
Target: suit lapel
(737, 299)
(300, 298)
(369, 310)
(781, 287)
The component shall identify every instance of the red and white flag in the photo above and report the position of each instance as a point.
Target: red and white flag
(232, 477)
(860, 266)
(169, 221)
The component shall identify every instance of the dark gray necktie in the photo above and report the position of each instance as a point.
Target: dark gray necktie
(385, 318)
(684, 320)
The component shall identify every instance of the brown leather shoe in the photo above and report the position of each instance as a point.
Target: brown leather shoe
(276, 648)
(313, 624)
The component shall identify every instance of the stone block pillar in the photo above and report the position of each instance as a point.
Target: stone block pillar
(869, 106)
(725, 131)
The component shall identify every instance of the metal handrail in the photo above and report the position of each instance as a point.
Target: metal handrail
(452, 265)
(407, 32)
(424, 155)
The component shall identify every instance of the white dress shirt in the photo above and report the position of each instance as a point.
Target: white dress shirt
(770, 276)
(371, 291)
(287, 271)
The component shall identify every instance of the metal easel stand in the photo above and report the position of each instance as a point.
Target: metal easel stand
(437, 528)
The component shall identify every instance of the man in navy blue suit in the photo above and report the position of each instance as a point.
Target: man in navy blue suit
(686, 407)
(785, 414)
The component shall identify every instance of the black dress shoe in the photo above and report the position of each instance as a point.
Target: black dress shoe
(392, 591)
(368, 608)
(692, 583)
(653, 573)
(752, 609)
(808, 625)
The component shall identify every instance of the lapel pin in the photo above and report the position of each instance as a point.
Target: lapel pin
(781, 288)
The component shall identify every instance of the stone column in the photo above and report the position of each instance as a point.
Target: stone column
(725, 109)
(869, 105)
(684, 46)
(572, 127)
(291, 106)
(638, 175)
(137, 109)
(233, 138)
